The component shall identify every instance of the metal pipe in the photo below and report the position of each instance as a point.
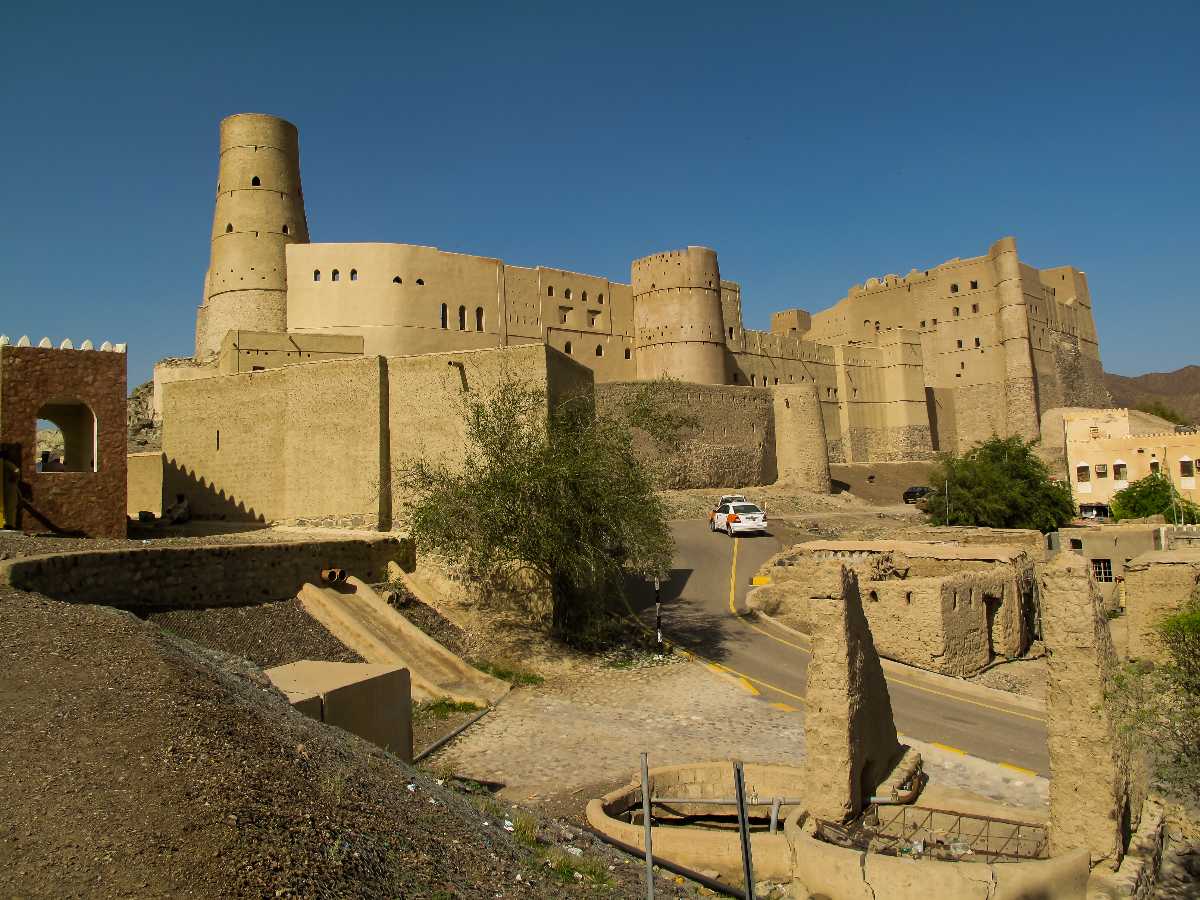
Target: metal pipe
(725, 801)
(739, 787)
(646, 822)
(691, 874)
(447, 738)
(775, 815)
(902, 797)
(333, 576)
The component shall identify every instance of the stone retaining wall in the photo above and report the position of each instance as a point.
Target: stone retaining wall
(194, 577)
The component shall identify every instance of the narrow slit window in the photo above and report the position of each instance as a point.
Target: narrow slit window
(316, 274)
(479, 318)
(567, 347)
(599, 349)
(462, 318)
(445, 314)
(285, 229)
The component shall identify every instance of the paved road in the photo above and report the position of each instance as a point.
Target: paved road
(697, 615)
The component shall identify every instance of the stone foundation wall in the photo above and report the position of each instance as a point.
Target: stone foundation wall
(197, 577)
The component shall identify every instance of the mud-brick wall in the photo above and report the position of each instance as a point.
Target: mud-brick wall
(198, 577)
(732, 441)
(90, 502)
(1157, 584)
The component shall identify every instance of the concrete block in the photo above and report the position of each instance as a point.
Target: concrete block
(371, 701)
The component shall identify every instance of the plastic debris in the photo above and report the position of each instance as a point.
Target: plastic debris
(574, 851)
(508, 826)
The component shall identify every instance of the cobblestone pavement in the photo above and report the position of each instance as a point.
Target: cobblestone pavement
(571, 737)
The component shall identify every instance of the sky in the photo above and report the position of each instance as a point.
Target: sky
(813, 145)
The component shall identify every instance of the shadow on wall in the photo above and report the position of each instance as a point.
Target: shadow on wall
(205, 500)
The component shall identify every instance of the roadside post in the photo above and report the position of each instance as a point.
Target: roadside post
(658, 609)
(646, 825)
(739, 788)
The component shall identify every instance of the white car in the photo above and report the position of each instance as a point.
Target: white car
(738, 518)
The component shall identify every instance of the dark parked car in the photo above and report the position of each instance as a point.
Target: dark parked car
(917, 492)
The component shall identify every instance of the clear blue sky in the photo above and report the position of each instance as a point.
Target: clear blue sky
(813, 147)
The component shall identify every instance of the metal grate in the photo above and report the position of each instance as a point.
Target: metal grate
(923, 832)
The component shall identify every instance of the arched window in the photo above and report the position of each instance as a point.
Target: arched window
(550, 290)
(599, 349)
(229, 228)
(254, 182)
(479, 318)
(354, 274)
(445, 313)
(285, 229)
(599, 298)
(567, 294)
(335, 275)
(316, 274)
(420, 281)
(76, 423)
(397, 280)
(583, 297)
(462, 318)
(567, 347)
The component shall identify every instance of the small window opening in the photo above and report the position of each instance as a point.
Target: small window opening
(421, 281)
(627, 354)
(335, 275)
(549, 290)
(567, 294)
(974, 285)
(316, 274)
(959, 343)
(1102, 570)
(285, 229)
(1101, 470)
(583, 297)
(922, 323)
(229, 228)
(1154, 467)
(397, 280)
(599, 298)
(956, 310)
(974, 307)
(218, 438)
(976, 342)
(567, 347)
(479, 318)
(873, 596)
(731, 331)
(1120, 471)
(954, 288)
(462, 318)
(1187, 468)
(254, 182)
(599, 349)
(445, 313)
(1083, 474)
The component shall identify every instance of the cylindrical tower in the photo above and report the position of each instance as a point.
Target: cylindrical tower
(677, 316)
(259, 211)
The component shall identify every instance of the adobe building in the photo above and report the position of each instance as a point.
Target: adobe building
(942, 607)
(900, 367)
(82, 392)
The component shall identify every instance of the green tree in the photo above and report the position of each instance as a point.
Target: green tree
(555, 491)
(1160, 409)
(1151, 496)
(1157, 707)
(1000, 483)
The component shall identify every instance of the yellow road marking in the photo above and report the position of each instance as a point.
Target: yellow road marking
(717, 667)
(1020, 769)
(733, 579)
(760, 580)
(784, 707)
(748, 686)
(948, 748)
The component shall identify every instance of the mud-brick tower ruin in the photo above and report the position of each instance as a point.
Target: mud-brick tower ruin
(677, 316)
(259, 211)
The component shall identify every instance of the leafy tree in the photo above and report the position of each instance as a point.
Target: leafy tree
(1157, 707)
(1160, 409)
(1151, 496)
(1000, 483)
(552, 491)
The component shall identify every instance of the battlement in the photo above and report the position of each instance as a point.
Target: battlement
(66, 344)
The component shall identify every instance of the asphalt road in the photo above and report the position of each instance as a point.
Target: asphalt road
(773, 664)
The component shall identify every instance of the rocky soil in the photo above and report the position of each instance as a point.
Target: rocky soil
(136, 764)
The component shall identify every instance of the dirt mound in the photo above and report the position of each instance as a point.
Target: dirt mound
(267, 634)
(134, 764)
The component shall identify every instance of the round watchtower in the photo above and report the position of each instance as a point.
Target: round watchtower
(259, 211)
(677, 316)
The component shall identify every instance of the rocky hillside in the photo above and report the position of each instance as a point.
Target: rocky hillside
(145, 432)
(1178, 390)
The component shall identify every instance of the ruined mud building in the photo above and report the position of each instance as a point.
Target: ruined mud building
(899, 368)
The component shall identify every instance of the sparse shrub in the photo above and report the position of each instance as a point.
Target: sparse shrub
(506, 671)
(1160, 409)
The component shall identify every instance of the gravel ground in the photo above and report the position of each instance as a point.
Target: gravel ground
(14, 544)
(134, 764)
(267, 634)
(1020, 676)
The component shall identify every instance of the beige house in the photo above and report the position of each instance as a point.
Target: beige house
(1102, 451)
